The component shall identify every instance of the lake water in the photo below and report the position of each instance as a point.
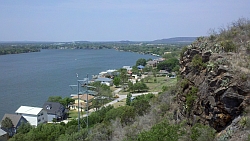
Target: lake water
(30, 78)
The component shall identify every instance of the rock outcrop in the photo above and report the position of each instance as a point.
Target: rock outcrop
(223, 85)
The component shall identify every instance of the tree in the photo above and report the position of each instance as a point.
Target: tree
(168, 65)
(128, 100)
(54, 99)
(8, 125)
(140, 86)
(96, 104)
(117, 81)
(24, 128)
(66, 101)
(123, 75)
(141, 61)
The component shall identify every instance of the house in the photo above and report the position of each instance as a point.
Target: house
(82, 101)
(17, 120)
(152, 63)
(34, 115)
(3, 135)
(163, 72)
(140, 67)
(106, 81)
(128, 68)
(55, 110)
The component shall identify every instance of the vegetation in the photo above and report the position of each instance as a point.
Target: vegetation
(149, 117)
(197, 64)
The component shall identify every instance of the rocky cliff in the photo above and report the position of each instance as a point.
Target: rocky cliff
(215, 78)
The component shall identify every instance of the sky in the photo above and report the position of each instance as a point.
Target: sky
(115, 20)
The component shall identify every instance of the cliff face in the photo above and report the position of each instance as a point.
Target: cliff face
(215, 82)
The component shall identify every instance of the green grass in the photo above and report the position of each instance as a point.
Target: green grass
(74, 113)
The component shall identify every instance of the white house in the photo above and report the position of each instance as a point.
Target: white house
(34, 115)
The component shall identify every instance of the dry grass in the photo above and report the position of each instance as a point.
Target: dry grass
(120, 103)
(161, 81)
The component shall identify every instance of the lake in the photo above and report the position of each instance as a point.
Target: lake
(29, 79)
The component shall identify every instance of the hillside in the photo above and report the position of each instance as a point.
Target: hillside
(175, 40)
(215, 84)
(209, 102)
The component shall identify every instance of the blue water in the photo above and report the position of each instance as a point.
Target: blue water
(30, 78)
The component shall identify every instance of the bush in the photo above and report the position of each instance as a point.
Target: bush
(228, 46)
(202, 132)
(197, 63)
(162, 131)
(190, 98)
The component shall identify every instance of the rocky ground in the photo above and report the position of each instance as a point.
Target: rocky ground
(215, 86)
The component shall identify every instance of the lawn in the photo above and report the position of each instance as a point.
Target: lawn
(74, 113)
(120, 103)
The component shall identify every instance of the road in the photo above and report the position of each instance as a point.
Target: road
(121, 97)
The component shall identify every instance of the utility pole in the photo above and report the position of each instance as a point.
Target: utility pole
(83, 83)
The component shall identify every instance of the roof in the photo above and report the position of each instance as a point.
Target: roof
(2, 132)
(151, 62)
(29, 110)
(53, 107)
(140, 67)
(82, 104)
(83, 97)
(14, 118)
(103, 79)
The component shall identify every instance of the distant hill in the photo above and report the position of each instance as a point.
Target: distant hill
(175, 40)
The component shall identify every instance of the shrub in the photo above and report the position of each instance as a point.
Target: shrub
(162, 131)
(197, 63)
(228, 46)
(202, 132)
(190, 98)
(183, 50)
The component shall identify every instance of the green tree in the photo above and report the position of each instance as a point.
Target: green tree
(169, 64)
(128, 100)
(66, 101)
(163, 131)
(8, 125)
(141, 106)
(54, 99)
(117, 81)
(123, 75)
(140, 86)
(131, 86)
(141, 61)
(24, 128)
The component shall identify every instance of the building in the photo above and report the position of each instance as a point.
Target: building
(152, 63)
(3, 135)
(106, 81)
(17, 120)
(55, 110)
(82, 101)
(34, 115)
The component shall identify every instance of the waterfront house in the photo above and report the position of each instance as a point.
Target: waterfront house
(106, 81)
(140, 67)
(34, 115)
(152, 63)
(55, 110)
(17, 120)
(3, 135)
(82, 101)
